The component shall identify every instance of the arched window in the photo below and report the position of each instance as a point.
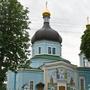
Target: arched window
(53, 50)
(31, 85)
(49, 50)
(82, 83)
(39, 50)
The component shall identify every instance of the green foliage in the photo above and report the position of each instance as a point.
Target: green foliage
(3, 87)
(85, 43)
(14, 37)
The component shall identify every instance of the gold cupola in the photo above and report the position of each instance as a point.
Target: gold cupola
(46, 12)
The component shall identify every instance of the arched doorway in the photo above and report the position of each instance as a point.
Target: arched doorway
(61, 87)
(40, 86)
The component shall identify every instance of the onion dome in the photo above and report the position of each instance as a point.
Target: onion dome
(46, 32)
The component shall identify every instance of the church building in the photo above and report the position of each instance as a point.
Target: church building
(49, 70)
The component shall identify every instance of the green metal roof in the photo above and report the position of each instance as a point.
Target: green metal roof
(50, 57)
(83, 68)
(32, 69)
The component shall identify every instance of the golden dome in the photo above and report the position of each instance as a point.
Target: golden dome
(46, 12)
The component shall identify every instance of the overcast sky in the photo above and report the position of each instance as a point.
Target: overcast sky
(68, 17)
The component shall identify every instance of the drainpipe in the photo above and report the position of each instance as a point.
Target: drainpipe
(15, 74)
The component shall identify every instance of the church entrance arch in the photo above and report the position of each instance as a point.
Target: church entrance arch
(40, 86)
(61, 87)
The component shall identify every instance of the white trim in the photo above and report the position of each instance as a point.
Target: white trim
(46, 79)
(58, 64)
(30, 84)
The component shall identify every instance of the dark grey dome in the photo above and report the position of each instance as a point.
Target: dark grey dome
(46, 33)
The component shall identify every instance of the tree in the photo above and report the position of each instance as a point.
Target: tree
(14, 36)
(85, 42)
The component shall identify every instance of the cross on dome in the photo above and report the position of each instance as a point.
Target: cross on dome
(46, 12)
(46, 4)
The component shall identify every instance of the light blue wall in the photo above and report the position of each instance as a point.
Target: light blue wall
(85, 72)
(24, 77)
(38, 62)
(44, 44)
(10, 80)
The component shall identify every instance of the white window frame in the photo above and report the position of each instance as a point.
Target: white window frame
(80, 81)
(33, 85)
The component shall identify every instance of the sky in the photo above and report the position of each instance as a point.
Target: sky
(68, 18)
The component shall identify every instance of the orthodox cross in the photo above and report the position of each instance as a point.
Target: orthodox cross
(46, 4)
